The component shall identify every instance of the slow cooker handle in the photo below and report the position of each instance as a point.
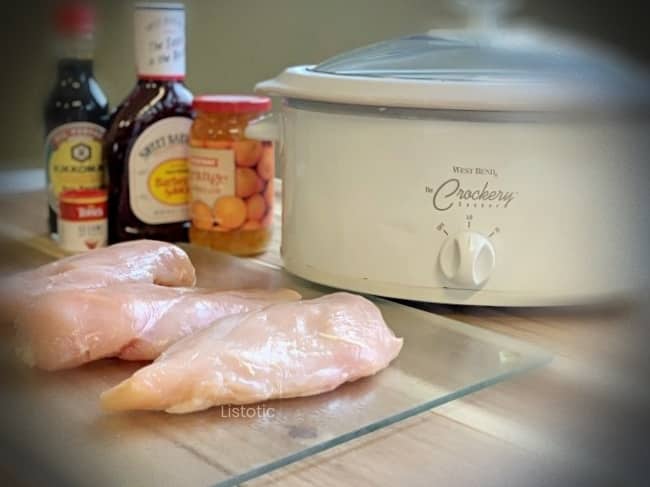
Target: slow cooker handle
(265, 128)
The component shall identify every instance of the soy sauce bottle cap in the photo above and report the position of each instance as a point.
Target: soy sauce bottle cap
(74, 17)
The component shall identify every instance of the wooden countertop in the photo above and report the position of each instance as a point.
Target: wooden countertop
(577, 420)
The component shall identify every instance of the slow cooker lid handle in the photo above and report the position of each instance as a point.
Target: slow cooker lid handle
(265, 128)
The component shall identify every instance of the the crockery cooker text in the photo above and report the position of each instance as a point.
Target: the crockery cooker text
(450, 191)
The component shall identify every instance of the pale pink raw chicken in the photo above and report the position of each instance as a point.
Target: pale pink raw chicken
(136, 321)
(138, 261)
(286, 350)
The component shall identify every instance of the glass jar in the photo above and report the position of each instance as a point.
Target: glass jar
(230, 176)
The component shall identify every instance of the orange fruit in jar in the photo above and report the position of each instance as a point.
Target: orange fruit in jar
(201, 215)
(251, 225)
(247, 152)
(269, 194)
(266, 166)
(230, 211)
(247, 182)
(256, 207)
(261, 185)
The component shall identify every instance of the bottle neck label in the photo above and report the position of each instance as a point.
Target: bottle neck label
(160, 42)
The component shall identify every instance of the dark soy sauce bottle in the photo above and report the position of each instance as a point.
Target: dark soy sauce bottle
(145, 148)
(76, 111)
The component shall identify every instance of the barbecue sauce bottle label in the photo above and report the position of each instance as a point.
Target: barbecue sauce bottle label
(158, 172)
(73, 152)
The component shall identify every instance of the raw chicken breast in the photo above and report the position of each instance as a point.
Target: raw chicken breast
(286, 350)
(136, 321)
(137, 261)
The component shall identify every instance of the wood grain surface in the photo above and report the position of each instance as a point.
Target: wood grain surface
(579, 421)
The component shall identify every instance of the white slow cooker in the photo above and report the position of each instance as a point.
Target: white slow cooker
(492, 168)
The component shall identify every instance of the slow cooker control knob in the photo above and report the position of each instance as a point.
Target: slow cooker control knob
(467, 259)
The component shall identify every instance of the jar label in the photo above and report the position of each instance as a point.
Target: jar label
(231, 185)
(73, 154)
(83, 226)
(158, 172)
(160, 40)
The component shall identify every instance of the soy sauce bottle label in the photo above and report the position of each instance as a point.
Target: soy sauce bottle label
(158, 172)
(73, 152)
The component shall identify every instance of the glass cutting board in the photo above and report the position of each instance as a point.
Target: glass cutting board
(51, 424)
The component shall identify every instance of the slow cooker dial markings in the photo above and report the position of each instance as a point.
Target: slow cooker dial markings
(467, 259)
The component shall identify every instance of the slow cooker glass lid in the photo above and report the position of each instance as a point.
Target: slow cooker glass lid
(503, 57)
(487, 68)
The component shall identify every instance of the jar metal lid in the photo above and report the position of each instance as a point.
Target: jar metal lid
(232, 103)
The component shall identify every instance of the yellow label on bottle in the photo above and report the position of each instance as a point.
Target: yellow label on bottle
(73, 152)
(158, 172)
(168, 182)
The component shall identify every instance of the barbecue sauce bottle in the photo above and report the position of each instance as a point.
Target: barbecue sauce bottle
(145, 148)
(76, 110)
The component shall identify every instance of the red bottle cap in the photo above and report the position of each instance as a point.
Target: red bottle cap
(74, 18)
(232, 103)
